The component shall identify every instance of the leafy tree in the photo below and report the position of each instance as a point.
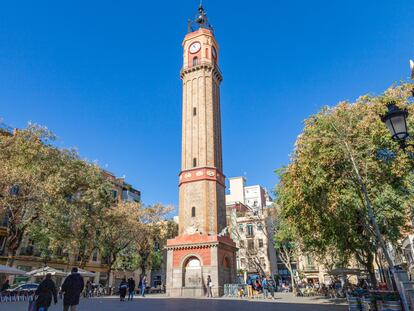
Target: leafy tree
(128, 235)
(339, 179)
(27, 162)
(120, 229)
(154, 237)
(79, 197)
(286, 245)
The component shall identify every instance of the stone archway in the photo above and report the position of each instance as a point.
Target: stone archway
(192, 276)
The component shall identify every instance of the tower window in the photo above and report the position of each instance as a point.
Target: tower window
(195, 61)
(194, 162)
(194, 111)
(193, 212)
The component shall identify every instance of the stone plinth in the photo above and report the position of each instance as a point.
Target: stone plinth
(192, 258)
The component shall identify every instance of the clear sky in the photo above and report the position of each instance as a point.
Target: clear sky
(104, 75)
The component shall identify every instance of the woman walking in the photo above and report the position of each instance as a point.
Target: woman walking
(123, 289)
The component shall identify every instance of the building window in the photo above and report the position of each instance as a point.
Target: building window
(194, 111)
(193, 212)
(241, 228)
(95, 256)
(260, 227)
(250, 230)
(194, 162)
(114, 194)
(242, 244)
(260, 243)
(243, 262)
(195, 61)
(14, 190)
(250, 244)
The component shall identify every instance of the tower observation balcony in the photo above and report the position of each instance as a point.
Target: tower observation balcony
(203, 65)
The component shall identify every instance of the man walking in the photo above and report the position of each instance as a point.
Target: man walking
(72, 288)
(45, 293)
(265, 287)
(131, 288)
(209, 286)
(143, 285)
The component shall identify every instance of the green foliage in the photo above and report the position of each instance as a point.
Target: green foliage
(27, 162)
(338, 153)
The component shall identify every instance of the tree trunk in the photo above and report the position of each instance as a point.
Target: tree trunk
(292, 278)
(371, 270)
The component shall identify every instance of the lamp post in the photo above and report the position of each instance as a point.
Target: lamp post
(396, 121)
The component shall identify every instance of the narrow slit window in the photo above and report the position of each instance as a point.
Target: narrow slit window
(193, 211)
(194, 162)
(194, 111)
(195, 61)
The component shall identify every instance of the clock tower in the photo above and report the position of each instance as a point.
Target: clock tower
(202, 248)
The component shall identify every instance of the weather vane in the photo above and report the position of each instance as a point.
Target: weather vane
(200, 21)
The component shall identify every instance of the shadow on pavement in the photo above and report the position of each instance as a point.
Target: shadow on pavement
(181, 304)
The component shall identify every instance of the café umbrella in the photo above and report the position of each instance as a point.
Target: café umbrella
(11, 270)
(46, 270)
(86, 273)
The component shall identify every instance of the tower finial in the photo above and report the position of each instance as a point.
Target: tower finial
(201, 20)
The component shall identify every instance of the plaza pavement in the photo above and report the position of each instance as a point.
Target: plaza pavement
(283, 302)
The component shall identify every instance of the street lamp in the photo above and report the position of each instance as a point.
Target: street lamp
(396, 121)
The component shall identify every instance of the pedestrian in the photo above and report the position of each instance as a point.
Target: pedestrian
(72, 288)
(5, 286)
(209, 287)
(123, 286)
(143, 285)
(264, 287)
(89, 289)
(271, 285)
(131, 288)
(45, 292)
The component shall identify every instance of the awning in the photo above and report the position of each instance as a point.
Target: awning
(86, 273)
(10, 270)
(46, 270)
(346, 271)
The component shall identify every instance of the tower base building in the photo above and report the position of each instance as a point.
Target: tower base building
(191, 259)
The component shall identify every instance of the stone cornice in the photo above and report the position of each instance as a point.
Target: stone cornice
(197, 241)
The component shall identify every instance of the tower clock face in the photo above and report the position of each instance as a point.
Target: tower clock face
(195, 47)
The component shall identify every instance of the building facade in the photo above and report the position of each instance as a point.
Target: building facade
(250, 222)
(200, 250)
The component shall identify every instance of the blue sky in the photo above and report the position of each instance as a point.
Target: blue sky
(104, 76)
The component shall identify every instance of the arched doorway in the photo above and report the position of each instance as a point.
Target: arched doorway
(192, 272)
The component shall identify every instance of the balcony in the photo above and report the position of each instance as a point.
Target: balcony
(310, 268)
(207, 65)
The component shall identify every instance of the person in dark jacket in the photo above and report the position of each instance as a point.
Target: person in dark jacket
(5, 286)
(131, 288)
(72, 288)
(123, 286)
(46, 292)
